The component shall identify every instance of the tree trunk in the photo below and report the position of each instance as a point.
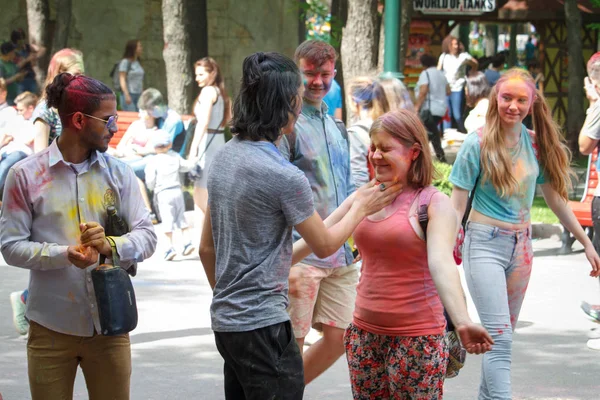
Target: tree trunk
(339, 13)
(360, 39)
(575, 113)
(406, 18)
(37, 20)
(63, 21)
(176, 54)
(198, 33)
(381, 46)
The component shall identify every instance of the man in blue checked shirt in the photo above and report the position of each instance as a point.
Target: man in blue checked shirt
(321, 291)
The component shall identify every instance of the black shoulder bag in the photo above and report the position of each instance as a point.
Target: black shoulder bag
(115, 296)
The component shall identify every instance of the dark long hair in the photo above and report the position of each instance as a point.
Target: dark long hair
(130, 50)
(268, 96)
(478, 88)
(216, 79)
(71, 93)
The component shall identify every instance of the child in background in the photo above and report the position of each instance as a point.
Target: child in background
(162, 176)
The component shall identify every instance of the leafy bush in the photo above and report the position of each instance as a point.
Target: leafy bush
(440, 177)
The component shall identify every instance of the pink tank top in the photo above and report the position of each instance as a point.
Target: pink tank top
(396, 294)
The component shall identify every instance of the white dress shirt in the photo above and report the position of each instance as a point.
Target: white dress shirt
(45, 200)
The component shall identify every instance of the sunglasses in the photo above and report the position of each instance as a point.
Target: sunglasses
(111, 122)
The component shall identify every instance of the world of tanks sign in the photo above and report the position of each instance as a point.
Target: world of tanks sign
(450, 7)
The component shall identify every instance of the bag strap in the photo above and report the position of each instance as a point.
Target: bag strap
(469, 204)
(207, 146)
(428, 91)
(116, 260)
(424, 200)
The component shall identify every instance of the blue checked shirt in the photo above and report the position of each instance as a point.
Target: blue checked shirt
(321, 152)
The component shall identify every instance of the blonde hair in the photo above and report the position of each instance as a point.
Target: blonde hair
(27, 98)
(65, 60)
(397, 94)
(406, 127)
(553, 155)
(3, 86)
(369, 95)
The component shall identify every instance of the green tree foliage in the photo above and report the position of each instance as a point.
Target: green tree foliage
(320, 24)
(440, 177)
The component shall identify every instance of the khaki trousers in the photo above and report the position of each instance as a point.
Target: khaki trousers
(53, 358)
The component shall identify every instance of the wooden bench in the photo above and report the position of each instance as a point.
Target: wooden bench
(583, 208)
(126, 118)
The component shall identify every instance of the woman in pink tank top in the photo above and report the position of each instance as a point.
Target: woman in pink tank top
(395, 345)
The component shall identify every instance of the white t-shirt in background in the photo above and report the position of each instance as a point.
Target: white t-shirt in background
(455, 69)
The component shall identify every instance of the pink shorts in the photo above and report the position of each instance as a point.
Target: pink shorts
(321, 296)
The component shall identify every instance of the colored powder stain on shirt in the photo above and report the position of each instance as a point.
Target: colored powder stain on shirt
(15, 199)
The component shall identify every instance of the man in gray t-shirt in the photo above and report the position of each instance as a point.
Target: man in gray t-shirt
(588, 141)
(256, 239)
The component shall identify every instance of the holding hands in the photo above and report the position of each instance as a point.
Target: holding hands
(93, 243)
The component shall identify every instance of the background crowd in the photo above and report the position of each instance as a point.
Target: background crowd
(321, 181)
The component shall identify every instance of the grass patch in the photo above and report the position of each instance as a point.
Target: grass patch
(541, 213)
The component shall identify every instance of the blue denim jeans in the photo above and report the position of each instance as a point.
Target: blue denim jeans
(454, 102)
(7, 161)
(134, 101)
(497, 265)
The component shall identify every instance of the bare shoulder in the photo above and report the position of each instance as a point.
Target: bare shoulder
(209, 93)
(440, 206)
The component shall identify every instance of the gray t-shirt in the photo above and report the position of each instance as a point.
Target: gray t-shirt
(255, 197)
(162, 171)
(135, 75)
(591, 128)
(436, 94)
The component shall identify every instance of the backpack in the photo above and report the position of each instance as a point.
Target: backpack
(291, 138)
(456, 353)
(114, 74)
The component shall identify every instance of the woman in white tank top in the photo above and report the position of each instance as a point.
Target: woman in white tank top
(212, 110)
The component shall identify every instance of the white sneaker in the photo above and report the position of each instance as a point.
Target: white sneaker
(18, 309)
(593, 344)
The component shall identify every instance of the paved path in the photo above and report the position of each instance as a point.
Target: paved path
(174, 356)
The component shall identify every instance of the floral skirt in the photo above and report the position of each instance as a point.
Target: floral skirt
(395, 367)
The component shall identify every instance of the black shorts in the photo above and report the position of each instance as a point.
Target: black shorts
(262, 364)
